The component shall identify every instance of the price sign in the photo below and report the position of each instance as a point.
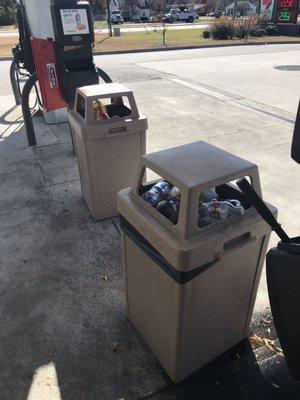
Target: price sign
(286, 16)
(287, 11)
(287, 4)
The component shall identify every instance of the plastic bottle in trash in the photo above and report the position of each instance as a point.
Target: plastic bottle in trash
(235, 208)
(225, 209)
(160, 191)
(204, 218)
(214, 211)
(170, 209)
(208, 195)
(175, 192)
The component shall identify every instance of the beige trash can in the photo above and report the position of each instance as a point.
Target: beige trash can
(190, 291)
(108, 150)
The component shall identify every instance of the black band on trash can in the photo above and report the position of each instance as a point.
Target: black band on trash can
(181, 277)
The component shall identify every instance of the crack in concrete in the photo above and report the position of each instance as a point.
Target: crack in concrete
(116, 226)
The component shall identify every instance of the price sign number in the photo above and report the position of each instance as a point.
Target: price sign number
(284, 16)
(287, 3)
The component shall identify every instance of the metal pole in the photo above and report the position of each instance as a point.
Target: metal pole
(109, 18)
(235, 9)
(26, 109)
(14, 83)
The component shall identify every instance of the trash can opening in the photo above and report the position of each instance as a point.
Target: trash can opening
(111, 108)
(162, 195)
(80, 105)
(219, 203)
(214, 204)
(105, 108)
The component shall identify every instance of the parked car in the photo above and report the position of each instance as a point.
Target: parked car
(116, 17)
(180, 15)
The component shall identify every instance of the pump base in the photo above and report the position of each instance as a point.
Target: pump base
(56, 116)
(288, 29)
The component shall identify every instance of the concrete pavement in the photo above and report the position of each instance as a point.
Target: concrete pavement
(63, 333)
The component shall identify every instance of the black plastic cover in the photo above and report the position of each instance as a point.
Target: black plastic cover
(283, 276)
(23, 51)
(296, 138)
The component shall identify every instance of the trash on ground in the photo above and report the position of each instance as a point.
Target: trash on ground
(270, 344)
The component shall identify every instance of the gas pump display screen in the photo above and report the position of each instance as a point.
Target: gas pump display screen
(75, 21)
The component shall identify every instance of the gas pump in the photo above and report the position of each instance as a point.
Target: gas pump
(55, 50)
(74, 36)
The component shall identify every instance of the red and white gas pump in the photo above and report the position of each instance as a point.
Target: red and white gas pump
(55, 50)
(42, 42)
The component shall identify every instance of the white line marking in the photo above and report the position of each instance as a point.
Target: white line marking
(201, 89)
(230, 100)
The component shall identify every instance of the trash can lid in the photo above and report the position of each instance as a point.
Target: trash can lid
(198, 164)
(104, 89)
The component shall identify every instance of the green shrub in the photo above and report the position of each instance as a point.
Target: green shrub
(271, 30)
(6, 12)
(261, 21)
(259, 32)
(5, 19)
(206, 34)
(241, 30)
(223, 28)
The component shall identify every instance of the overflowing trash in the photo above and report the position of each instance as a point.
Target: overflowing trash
(165, 198)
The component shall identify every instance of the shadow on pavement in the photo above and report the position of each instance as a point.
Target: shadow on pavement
(62, 300)
(238, 374)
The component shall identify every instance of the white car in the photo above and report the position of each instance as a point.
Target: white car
(175, 14)
(116, 17)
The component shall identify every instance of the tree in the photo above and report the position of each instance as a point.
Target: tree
(6, 12)
(164, 32)
(158, 5)
(98, 6)
(131, 6)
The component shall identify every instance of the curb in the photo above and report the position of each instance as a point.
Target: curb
(208, 46)
(6, 58)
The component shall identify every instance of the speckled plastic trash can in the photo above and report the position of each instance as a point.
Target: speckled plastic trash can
(108, 150)
(190, 291)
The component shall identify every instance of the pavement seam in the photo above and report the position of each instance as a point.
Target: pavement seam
(116, 226)
(61, 183)
(52, 129)
(230, 99)
(39, 164)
